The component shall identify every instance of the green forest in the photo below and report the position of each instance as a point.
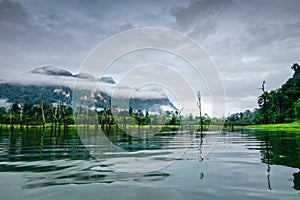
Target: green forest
(276, 106)
(42, 105)
(51, 106)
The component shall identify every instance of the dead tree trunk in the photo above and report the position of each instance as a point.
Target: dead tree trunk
(110, 115)
(60, 116)
(21, 102)
(200, 113)
(265, 103)
(96, 121)
(10, 119)
(54, 114)
(43, 113)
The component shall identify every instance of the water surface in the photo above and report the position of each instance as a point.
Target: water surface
(244, 164)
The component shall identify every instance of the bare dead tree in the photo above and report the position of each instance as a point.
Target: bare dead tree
(10, 118)
(109, 115)
(54, 115)
(96, 121)
(21, 106)
(200, 108)
(264, 95)
(59, 114)
(263, 86)
(43, 112)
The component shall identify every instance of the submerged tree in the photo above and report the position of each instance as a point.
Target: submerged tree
(43, 112)
(59, 109)
(200, 112)
(21, 106)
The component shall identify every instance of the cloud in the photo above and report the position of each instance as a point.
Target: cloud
(5, 104)
(11, 12)
(199, 18)
(13, 22)
(249, 41)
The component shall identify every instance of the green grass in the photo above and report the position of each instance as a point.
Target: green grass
(128, 126)
(293, 125)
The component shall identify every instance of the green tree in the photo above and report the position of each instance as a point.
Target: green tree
(3, 115)
(296, 68)
(297, 109)
(139, 118)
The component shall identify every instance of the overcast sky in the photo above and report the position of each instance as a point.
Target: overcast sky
(249, 41)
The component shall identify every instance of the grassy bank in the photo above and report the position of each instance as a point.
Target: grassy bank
(294, 125)
(48, 126)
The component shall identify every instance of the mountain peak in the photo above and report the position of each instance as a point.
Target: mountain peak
(55, 71)
(107, 79)
(51, 70)
(84, 76)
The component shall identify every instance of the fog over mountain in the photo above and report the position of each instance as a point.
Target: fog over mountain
(12, 92)
(58, 78)
(249, 41)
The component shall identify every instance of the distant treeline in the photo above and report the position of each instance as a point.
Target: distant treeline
(49, 105)
(36, 114)
(276, 106)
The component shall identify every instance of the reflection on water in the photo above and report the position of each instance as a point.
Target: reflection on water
(280, 148)
(46, 160)
(65, 172)
(58, 160)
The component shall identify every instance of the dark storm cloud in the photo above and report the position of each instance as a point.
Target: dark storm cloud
(13, 22)
(199, 18)
(250, 41)
(11, 12)
(63, 32)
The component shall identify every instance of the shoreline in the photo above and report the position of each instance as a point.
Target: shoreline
(289, 126)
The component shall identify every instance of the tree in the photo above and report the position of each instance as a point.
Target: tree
(175, 120)
(21, 106)
(130, 111)
(2, 114)
(297, 109)
(43, 112)
(296, 68)
(200, 108)
(139, 118)
(262, 102)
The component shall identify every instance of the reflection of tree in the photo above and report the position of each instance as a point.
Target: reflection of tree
(281, 148)
(38, 145)
(200, 136)
(132, 142)
(267, 138)
(296, 181)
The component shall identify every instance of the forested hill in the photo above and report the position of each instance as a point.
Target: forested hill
(281, 104)
(277, 106)
(33, 94)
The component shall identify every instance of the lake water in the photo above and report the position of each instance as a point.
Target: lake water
(240, 164)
